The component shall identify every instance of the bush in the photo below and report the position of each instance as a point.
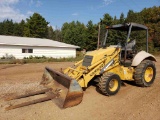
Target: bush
(7, 56)
(10, 59)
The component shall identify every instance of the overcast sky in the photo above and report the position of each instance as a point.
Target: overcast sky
(58, 12)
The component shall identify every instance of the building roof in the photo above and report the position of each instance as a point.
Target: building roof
(26, 41)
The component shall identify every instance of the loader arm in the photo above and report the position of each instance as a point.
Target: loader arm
(84, 74)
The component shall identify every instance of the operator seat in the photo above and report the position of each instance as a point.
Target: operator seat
(130, 48)
(131, 45)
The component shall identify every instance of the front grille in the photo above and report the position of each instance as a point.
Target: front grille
(87, 60)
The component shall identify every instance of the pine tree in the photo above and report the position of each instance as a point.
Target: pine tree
(36, 26)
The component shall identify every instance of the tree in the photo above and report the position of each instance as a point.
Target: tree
(21, 27)
(151, 18)
(106, 21)
(134, 17)
(122, 19)
(1, 29)
(36, 26)
(57, 35)
(92, 36)
(16, 29)
(8, 27)
(50, 32)
(115, 20)
(74, 33)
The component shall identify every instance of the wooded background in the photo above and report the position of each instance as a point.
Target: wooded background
(85, 36)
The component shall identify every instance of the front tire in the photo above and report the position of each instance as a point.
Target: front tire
(109, 84)
(145, 73)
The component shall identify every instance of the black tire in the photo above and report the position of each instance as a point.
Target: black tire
(109, 84)
(145, 73)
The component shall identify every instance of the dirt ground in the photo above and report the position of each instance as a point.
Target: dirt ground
(131, 103)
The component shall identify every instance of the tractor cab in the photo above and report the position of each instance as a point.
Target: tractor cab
(128, 44)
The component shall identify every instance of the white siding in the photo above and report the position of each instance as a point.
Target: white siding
(16, 51)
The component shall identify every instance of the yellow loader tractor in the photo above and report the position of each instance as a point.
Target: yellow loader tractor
(109, 66)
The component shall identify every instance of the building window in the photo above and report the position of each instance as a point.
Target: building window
(24, 50)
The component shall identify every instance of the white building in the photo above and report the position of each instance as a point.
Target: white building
(21, 47)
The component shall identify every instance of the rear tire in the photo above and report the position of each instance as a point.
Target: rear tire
(109, 84)
(145, 73)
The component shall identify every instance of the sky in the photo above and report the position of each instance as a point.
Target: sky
(57, 12)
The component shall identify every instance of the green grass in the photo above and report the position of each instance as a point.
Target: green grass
(37, 59)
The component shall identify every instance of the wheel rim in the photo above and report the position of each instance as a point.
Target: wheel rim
(148, 74)
(113, 85)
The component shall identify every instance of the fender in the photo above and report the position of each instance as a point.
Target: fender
(141, 56)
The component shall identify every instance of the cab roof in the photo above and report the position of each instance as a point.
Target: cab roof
(125, 27)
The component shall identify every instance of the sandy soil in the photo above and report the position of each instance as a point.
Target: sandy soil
(131, 103)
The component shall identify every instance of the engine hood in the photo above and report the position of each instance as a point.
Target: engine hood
(96, 55)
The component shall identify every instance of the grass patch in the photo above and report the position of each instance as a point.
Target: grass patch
(37, 59)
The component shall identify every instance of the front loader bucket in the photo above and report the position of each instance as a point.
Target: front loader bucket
(68, 92)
